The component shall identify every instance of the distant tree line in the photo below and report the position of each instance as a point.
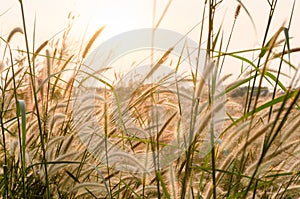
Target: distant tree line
(242, 91)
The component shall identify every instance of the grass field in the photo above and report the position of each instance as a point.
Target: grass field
(255, 153)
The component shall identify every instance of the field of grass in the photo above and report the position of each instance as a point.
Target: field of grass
(255, 153)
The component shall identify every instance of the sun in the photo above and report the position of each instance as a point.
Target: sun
(118, 16)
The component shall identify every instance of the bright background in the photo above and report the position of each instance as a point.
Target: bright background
(123, 15)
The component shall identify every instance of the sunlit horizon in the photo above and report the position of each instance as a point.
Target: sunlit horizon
(122, 16)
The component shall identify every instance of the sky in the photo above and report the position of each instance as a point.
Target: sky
(123, 15)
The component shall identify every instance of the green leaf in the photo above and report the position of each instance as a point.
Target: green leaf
(286, 33)
(21, 110)
(216, 39)
(264, 50)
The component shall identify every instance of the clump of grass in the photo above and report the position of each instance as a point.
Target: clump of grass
(42, 156)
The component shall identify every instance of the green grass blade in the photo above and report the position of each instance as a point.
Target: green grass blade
(163, 184)
(287, 40)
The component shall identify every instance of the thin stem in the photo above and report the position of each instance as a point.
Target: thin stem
(280, 64)
(272, 9)
(4, 146)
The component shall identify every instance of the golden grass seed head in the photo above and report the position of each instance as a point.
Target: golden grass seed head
(91, 41)
(13, 32)
(237, 11)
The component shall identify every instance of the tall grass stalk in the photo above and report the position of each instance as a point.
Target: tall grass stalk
(3, 130)
(20, 111)
(33, 85)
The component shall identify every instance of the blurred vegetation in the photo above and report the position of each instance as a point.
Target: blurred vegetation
(254, 155)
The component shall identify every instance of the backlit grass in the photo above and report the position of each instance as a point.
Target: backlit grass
(254, 154)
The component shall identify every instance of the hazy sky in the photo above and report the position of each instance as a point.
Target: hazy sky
(123, 15)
